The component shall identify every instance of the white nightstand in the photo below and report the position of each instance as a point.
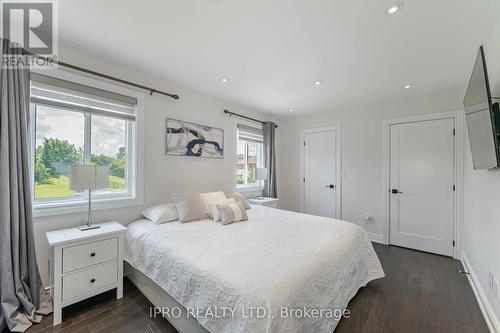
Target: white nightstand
(85, 263)
(269, 202)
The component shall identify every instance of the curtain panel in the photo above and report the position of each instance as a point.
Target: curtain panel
(270, 188)
(22, 296)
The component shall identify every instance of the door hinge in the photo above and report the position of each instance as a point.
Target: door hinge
(453, 187)
(453, 131)
(453, 243)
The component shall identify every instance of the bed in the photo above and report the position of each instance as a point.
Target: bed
(267, 274)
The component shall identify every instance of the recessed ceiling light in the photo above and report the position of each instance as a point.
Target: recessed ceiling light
(408, 86)
(395, 7)
(392, 10)
(223, 79)
(291, 109)
(317, 83)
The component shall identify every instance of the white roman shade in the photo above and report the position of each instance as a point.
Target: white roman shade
(249, 133)
(51, 91)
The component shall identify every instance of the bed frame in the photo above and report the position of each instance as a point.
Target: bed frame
(160, 298)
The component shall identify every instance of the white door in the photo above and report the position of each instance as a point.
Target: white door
(320, 173)
(421, 185)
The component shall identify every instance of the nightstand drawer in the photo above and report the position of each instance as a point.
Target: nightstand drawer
(81, 283)
(85, 255)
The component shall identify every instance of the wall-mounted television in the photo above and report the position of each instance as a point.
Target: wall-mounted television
(483, 117)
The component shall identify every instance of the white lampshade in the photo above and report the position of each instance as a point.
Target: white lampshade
(261, 173)
(89, 177)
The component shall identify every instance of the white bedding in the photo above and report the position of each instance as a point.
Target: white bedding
(278, 260)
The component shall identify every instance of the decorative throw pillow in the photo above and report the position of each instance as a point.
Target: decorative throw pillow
(214, 212)
(212, 197)
(232, 213)
(190, 207)
(161, 213)
(238, 197)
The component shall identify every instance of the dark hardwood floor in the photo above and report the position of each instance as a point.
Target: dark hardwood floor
(422, 292)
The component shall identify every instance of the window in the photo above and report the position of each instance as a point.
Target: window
(249, 155)
(78, 124)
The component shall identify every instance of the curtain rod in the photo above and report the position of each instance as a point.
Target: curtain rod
(245, 117)
(105, 76)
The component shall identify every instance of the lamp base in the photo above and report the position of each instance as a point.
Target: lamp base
(88, 227)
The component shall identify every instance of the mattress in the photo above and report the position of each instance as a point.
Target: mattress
(279, 271)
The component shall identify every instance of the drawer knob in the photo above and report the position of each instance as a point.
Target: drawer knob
(92, 281)
(92, 254)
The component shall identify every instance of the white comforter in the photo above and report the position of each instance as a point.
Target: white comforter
(277, 261)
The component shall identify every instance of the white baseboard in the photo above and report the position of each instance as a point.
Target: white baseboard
(376, 238)
(484, 304)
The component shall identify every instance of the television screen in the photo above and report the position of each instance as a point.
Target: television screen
(480, 115)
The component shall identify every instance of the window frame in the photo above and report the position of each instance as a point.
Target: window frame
(254, 187)
(134, 138)
(259, 163)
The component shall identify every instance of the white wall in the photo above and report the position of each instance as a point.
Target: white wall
(162, 174)
(481, 225)
(361, 153)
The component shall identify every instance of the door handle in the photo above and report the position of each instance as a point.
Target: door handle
(331, 186)
(395, 191)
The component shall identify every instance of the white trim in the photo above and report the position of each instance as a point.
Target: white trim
(376, 238)
(68, 207)
(248, 188)
(485, 306)
(137, 170)
(338, 158)
(458, 177)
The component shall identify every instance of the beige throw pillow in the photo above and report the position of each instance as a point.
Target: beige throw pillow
(238, 197)
(214, 212)
(190, 207)
(232, 213)
(208, 197)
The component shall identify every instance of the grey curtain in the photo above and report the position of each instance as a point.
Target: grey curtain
(270, 189)
(22, 296)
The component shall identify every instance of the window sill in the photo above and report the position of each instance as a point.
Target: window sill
(248, 188)
(81, 206)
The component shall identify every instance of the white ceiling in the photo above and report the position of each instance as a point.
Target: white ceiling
(273, 50)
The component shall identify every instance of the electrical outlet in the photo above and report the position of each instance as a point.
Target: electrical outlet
(490, 280)
(495, 287)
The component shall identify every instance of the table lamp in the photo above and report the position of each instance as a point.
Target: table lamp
(260, 174)
(89, 177)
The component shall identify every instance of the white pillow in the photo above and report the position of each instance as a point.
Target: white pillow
(214, 212)
(161, 213)
(212, 197)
